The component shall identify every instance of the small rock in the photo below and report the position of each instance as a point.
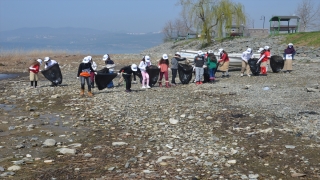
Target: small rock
(67, 151)
(173, 121)
(119, 143)
(290, 146)
(14, 168)
(49, 143)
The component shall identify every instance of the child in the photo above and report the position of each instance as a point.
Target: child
(34, 70)
(224, 63)
(145, 62)
(246, 55)
(174, 66)
(110, 65)
(92, 74)
(212, 65)
(198, 63)
(84, 72)
(263, 59)
(164, 65)
(126, 72)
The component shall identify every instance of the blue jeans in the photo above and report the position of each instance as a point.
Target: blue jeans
(110, 85)
(212, 72)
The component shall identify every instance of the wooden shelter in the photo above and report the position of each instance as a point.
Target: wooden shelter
(276, 25)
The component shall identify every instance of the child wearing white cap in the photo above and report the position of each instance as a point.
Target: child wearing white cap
(144, 63)
(246, 55)
(164, 65)
(34, 70)
(110, 65)
(198, 63)
(126, 72)
(174, 66)
(84, 73)
(224, 63)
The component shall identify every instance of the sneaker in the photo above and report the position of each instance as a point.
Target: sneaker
(200, 82)
(248, 75)
(148, 86)
(128, 90)
(143, 87)
(134, 82)
(241, 74)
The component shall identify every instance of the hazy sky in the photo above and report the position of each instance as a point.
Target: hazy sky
(118, 15)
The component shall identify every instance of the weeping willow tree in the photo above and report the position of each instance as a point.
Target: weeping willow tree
(213, 16)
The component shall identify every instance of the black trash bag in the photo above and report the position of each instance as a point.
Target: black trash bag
(254, 67)
(153, 72)
(276, 63)
(53, 74)
(103, 79)
(104, 70)
(206, 75)
(185, 73)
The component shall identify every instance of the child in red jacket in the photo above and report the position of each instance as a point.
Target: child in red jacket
(34, 70)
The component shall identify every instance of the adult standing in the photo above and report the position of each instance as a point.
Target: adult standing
(144, 63)
(34, 70)
(84, 73)
(174, 66)
(212, 65)
(288, 59)
(224, 63)
(92, 74)
(289, 50)
(110, 65)
(126, 72)
(198, 63)
(164, 66)
(246, 55)
(263, 59)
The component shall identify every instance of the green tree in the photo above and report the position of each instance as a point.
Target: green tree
(213, 16)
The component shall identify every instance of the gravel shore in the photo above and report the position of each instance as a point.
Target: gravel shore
(237, 128)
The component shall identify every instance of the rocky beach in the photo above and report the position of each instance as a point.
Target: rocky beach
(258, 127)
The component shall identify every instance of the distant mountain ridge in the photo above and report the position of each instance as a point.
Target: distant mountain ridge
(83, 40)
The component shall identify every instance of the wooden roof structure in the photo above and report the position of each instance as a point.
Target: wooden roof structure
(276, 26)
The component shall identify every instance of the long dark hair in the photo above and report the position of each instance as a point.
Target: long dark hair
(164, 61)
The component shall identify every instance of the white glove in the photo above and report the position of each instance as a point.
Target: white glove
(95, 73)
(118, 74)
(77, 77)
(32, 68)
(159, 67)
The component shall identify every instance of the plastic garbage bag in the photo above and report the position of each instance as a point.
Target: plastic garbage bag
(103, 78)
(53, 74)
(185, 73)
(254, 67)
(153, 72)
(276, 63)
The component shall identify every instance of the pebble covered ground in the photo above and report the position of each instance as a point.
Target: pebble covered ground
(237, 128)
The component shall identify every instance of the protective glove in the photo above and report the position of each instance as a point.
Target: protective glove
(95, 73)
(159, 67)
(77, 77)
(118, 74)
(32, 68)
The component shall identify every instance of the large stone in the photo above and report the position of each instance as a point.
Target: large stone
(49, 143)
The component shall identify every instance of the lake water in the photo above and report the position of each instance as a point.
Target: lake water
(7, 76)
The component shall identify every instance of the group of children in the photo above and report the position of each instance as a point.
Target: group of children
(87, 69)
(34, 69)
(264, 59)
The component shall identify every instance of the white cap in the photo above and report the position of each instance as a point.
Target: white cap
(177, 53)
(134, 67)
(266, 47)
(147, 58)
(89, 57)
(85, 60)
(164, 56)
(46, 59)
(200, 53)
(249, 50)
(290, 44)
(220, 50)
(210, 51)
(105, 57)
(40, 61)
(260, 50)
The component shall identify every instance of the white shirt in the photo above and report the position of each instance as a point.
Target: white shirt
(93, 65)
(50, 63)
(246, 56)
(143, 65)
